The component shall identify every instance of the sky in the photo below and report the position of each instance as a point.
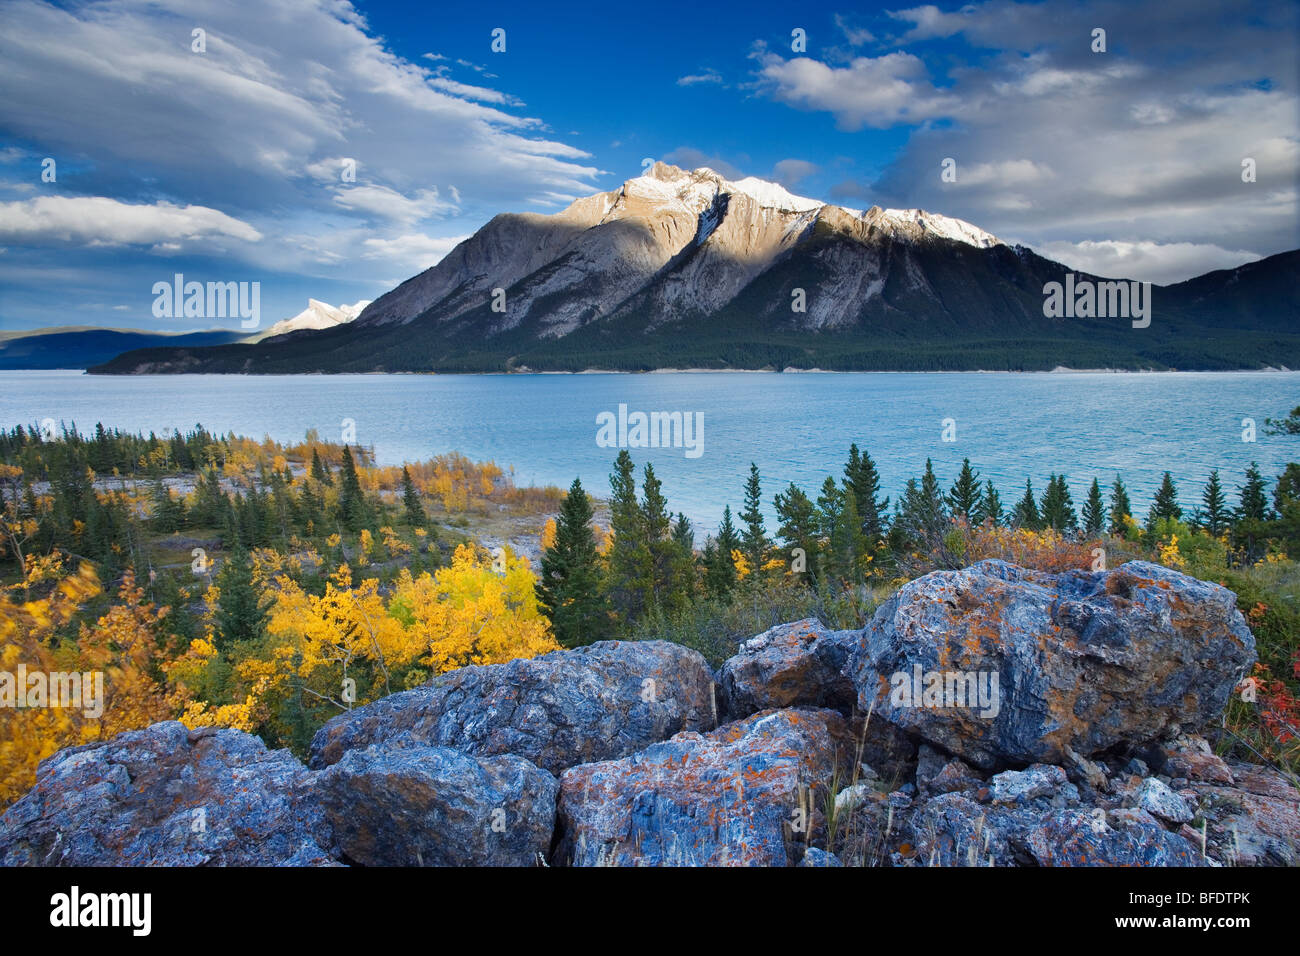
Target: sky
(230, 163)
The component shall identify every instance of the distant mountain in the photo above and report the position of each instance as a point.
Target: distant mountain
(678, 269)
(317, 315)
(68, 347)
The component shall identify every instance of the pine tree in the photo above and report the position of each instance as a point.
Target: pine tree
(1094, 511)
(754, 536)
(1057, 507)
(1120, 508)
(663, 585)
(628, 554)
(684, 570)
(719, 568)
(1165, 504)
(862, 479)
(415, 515)
(1254, 501)
(964, 498)
(239, 615)
(568, 589)
(318, 471)
(798, 529)
(1025, 514)
(990, 506)
(923, 513)
(1214, 506)
(351, 498)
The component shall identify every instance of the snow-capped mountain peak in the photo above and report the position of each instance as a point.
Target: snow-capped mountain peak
(317, 315)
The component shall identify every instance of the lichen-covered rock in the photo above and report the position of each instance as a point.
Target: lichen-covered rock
(815, 857)
(403, 804)
(1002, 665)
(1158, 800)
(168, 796)
(599, 702)
(747, 794)
(1254, 822)
(790, 665)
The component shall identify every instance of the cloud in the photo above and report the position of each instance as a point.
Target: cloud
(708, 76)
(416, 250)
(871, 91)
(856, 36)
(388, 204)
(1161, 263)
(98, 220)
(790, 172)
(688, 157)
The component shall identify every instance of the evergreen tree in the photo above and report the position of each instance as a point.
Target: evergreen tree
(719, 568)
(568, 589)
(684, 570)
(318, 471)
(239, 615)
(415, 515)
(798, 527)
(1057, 507)
(352, 503)
(1254, 501)
(990, 506)
(1120, 508)
(1165, 504)
(754, 539)
(964, 498)
(923, 513)
(1094, 511)
(862, 479)
(1214, 507)
(628, 554)
(1025, 514)
(664, 584)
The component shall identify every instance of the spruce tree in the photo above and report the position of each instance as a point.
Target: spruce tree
(628, 554)
(1025, 514)
(1214, 507)
(1094, 511)
(239, 615)
(862, 479)
(1120, 507)
(411, 503)
(798, 527)
(1165, 504)
(964, 498)
(719, 568)
(1057, 507)
(318, 471)
(663, 584)
(754, 535)
(1254, 500)
(990, 506)
(568, 588)
(351, 498)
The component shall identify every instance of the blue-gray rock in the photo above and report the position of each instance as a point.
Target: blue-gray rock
(1015, 666)
(790, 665)
(748, 794)
(599, 702)
(816, 857)
(168, 796)
(1158, 800)
(403, 804)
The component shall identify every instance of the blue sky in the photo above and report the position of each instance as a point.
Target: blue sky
(225, 165)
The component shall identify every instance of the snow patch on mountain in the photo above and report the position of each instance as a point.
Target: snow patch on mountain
(317, 315)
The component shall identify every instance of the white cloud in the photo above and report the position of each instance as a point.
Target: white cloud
(415, 250)
(1161, 263)
(98, 220)
(708, 76)
(391, 205)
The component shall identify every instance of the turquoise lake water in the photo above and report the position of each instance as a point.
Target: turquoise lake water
(796, 427)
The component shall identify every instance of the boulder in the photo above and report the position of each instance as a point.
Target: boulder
(748, 794)
(1254, 822)
(168, 796)
(1006, 666)
(594, 703)
(403, 804)
(790, 665)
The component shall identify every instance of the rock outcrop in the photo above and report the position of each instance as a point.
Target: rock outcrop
(1002, 665)
(747, 794)
(599, 702)
(400, 803)
(168, 796)
(1083, 752)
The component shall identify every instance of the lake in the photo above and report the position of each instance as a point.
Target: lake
(795, 427)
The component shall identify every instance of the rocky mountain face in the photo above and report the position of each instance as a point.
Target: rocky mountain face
(1078, 742)
(679, 267)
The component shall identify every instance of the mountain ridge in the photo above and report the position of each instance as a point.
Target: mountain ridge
(681, 268)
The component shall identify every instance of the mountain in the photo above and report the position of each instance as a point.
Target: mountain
(317, 315)
(680, 268)
(82, 347)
